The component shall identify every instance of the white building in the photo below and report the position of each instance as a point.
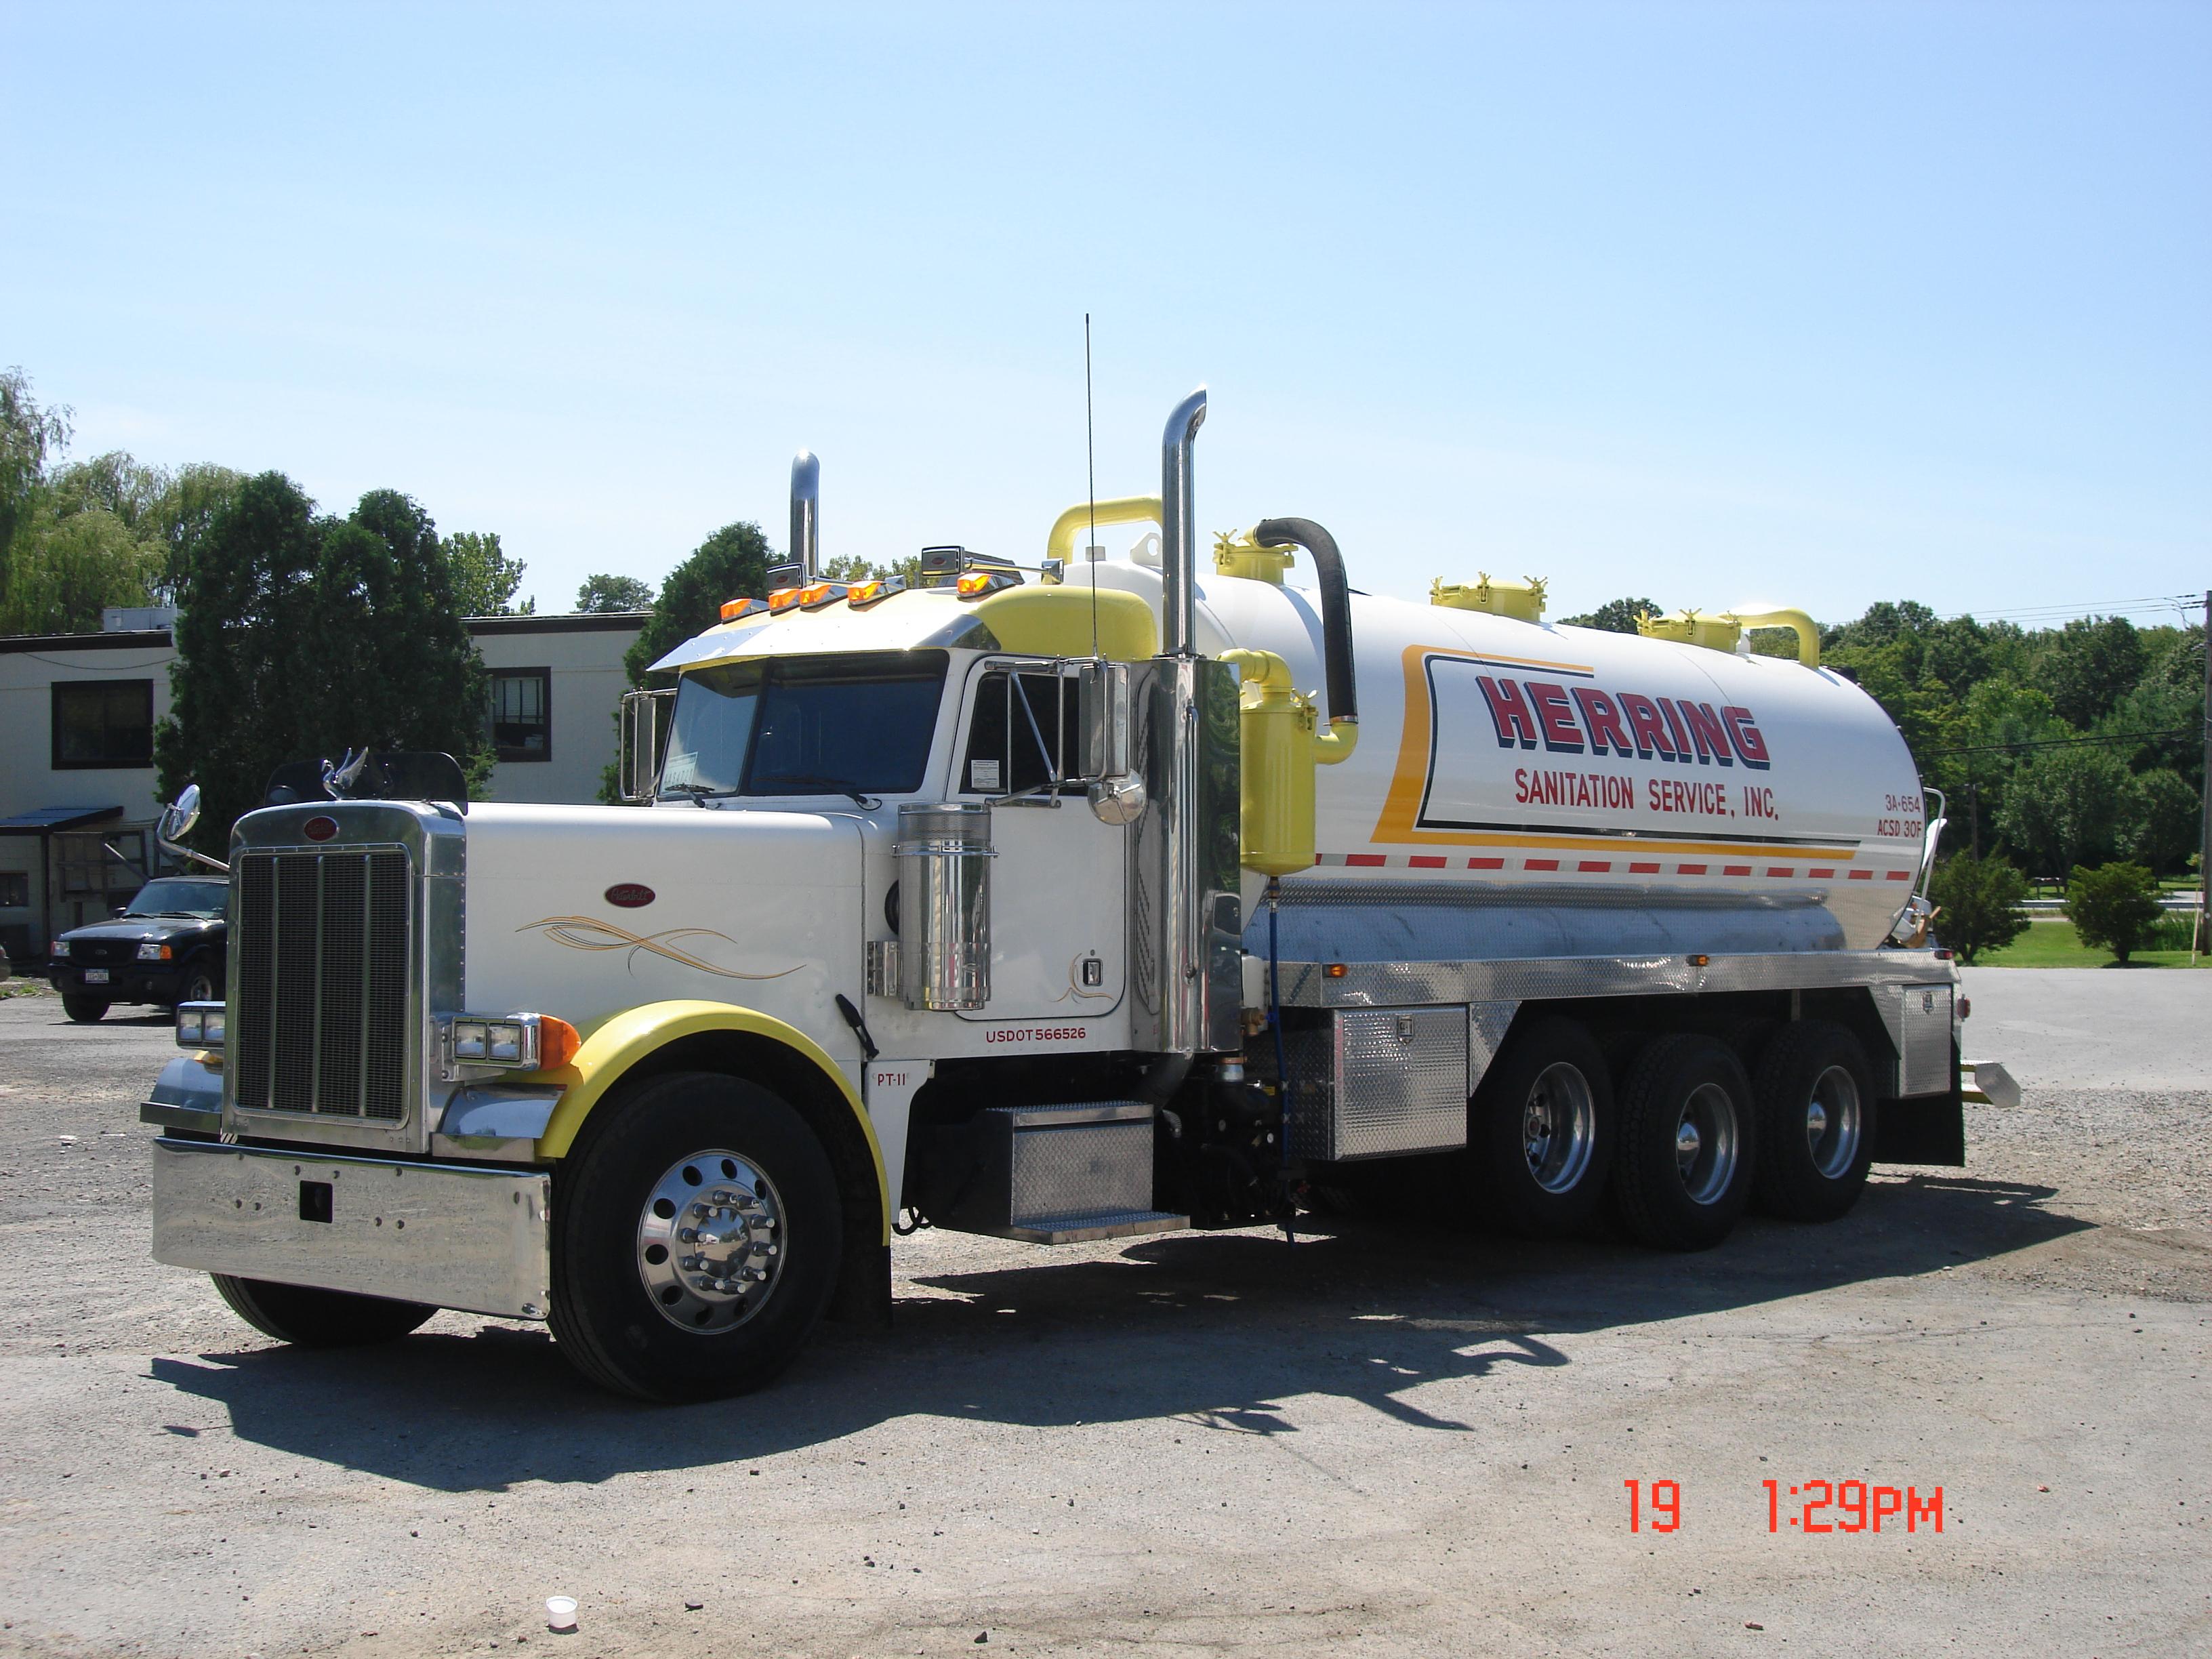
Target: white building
(77, 713)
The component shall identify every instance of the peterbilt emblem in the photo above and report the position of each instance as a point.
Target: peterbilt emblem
(630, 896)
(320, 828)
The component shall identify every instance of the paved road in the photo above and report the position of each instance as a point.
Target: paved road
(1379, 1442)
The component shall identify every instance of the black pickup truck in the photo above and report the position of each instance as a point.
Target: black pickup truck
(165, 947)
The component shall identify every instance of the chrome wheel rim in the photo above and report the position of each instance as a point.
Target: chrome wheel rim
(1559, 1127)
(1831, 1123)
(710, 1242)
(1706, 1143)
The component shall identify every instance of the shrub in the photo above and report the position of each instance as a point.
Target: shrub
(1977, 902)
(2114, 907)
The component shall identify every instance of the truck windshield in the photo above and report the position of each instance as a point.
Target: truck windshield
(170, 897)
(805, 726)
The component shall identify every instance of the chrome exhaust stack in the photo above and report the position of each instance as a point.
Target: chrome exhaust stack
(805, 516)
(1178, 537)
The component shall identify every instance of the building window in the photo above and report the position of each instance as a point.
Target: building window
(105, 864)
(14, 890)
(522, 714)
(103, 723)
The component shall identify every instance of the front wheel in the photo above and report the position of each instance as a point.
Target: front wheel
(1685, 1169)
(200, 984)
(309, 1318)
(697, 1235)
(85, 1011)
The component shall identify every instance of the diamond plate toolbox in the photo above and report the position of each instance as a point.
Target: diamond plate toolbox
(1373, 1082)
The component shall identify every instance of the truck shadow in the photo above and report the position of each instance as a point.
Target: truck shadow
(1219, 1331)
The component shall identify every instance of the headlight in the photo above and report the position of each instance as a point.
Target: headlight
(200, 1025)
(59, 948)
(149, 950)
(527, 1041)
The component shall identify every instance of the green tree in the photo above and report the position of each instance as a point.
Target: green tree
(604, 593)
(732, 563)
(2088, 665)
(485, 578)
(2162, 826)
(65, 569)
(2113, 908)
(29, 435)
(1979, 903)
(1614, 616)
(305, 635)
(2063, 806)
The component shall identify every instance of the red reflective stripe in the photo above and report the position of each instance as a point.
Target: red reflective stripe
(1735, 869)
(1689, 869)
(1900, 875)
(1820, 875)
(1540, 863)
(1418, 862)
(1366, 858)
(1643, 869)
(1779, 870)
(1862, 875)
(1485, 864)
(1599, 865)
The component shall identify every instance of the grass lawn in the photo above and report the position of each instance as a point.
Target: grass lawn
(2049, 942)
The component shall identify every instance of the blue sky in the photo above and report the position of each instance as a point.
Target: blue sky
(1806, 304)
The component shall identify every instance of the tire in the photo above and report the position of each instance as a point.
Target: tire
(308, 1318)
(1675, 1190)
(85, 1011)
(1815, 1091)
(642, 1179)
(1541, 1132)
(200, 983)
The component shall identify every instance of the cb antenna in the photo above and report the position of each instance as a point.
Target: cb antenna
(1091, 475)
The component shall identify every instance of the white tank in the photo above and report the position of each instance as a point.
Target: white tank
(1591, 768)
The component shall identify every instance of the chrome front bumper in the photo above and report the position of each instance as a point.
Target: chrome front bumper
(447, 1235)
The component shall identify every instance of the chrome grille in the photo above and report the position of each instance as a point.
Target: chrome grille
(321, 943)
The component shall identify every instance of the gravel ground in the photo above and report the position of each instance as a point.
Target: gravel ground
(1377, 1442)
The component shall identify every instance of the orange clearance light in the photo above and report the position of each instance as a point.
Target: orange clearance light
(783, 600)
(557, 1042)
(1699, 961)
(817, 595)
(740, 608)
(1335, 970)
(861, 595)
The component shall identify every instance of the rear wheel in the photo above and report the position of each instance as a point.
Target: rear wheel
(1542, 1132)
(697, 1236)
(1815, 1091)
(85, 1011)
(1684, 1170)
(309, 1318)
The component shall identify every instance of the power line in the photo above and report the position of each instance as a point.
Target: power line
(2062, 743)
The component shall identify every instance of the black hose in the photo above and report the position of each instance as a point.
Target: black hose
(1164, 1079)
(1335, 605)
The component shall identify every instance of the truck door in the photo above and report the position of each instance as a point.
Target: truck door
(1059, 925)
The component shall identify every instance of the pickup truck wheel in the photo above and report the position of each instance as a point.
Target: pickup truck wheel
(85, 1011)
(199, 984)
(1686, 1144)
(1816, 1101)
(696, 1239)
(308, 1318)
(1542, 1132)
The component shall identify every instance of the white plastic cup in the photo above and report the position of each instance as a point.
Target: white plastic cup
(561, 1612)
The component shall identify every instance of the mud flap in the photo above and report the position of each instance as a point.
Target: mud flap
(1927, 1129)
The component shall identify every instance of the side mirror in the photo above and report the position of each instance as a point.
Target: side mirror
(179, 818)
(1103, 707)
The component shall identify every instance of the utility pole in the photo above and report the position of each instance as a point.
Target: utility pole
(2202, 939)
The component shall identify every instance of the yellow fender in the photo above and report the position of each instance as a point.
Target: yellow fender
(610, 1051)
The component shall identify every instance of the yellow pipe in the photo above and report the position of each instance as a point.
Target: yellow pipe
(1118, 509)
(1809, 634)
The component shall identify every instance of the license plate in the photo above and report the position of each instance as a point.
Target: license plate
(96, 976)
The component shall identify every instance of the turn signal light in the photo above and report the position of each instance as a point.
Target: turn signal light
(1335, 970)
(737, 609)
(557, 1042)
(782, 599)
